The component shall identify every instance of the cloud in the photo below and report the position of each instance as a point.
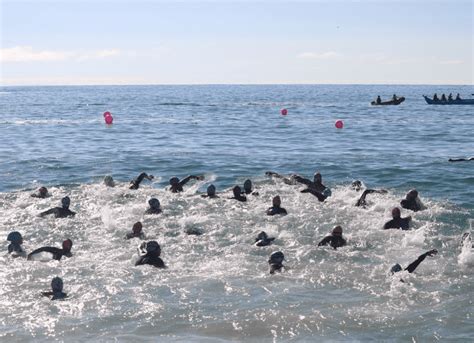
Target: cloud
(451, 62)
(319, 56)
(28, 54)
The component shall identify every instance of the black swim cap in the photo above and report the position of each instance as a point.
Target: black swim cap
(153, 246)
(174, 181)
(276, 258)
(154, 203)
(66, 202)
(211, 190)
(396, 268)
(14, 237)
(57, 284)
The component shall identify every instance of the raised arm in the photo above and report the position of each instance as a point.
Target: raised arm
(300, 179)
(50, 211)
(411, 268)
(187, 178)
(321, 197)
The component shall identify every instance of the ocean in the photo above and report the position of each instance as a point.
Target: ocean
(217, 287)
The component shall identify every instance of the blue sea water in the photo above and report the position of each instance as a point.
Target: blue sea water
(217, 286)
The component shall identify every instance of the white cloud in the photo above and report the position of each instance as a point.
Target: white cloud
(28, 54)
(319, 56)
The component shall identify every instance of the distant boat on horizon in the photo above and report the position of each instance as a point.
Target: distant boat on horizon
(430, 101)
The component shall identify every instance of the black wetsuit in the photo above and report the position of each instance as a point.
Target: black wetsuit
(410, 204)
(55, 295)
(131, 235)
(15, 248)
(152, 259)
(334, 241)
(40, 195)
(361, 202)
(398, 223)
(59, 212)
(152, 210)
(241, 198)
(57, 252)
(136, 182)
(276, 210)
(412, 266)
(275, 267)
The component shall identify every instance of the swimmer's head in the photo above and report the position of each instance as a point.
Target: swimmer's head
(356, 185)
(237, 191)
(337, 231)
(276, 201)
(276, 258)
(396, 268)
(67, 244)
(317, 178)
(411, 195)
(43, 191)
(153, 247)
(174, 181)
(248, 186)
(15, 237)
(137, 228)
(262, 236)
(154, 203)
(65, 202)
(396, 212)
(211, 190)
(57, 284)
(109, 181)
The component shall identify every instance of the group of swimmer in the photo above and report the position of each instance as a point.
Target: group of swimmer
(150, 251)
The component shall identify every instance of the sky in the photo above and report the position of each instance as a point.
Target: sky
(74, 42)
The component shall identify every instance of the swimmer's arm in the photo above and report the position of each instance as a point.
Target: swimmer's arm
(325, 241)
(50, 211)
(318, 195)
(411, 268)
(47, 294)
(279, 176)
(187, 178)
(302, 180)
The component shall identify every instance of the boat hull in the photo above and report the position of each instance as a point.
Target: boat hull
(391, 102)
(452, 102)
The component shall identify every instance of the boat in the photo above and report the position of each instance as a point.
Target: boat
(449, 102)
(391, 102)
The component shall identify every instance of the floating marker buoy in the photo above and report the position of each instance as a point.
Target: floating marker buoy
(284, 112)
(339, 124)
(109, 119)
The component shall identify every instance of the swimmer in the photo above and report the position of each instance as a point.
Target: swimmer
(335, 239)
(152, 256)
(412, 201)
(315, 187)
(248, 188)
(109, 181)
(155, 206)
(461, 159)
(238, 194)
(276, 262)
(276, 208)
(42, 193)
(14, 248)
(263, 240)
(177, 185)
(134, 184)
(56, 252)
(60, 212)
(412, 266)
(211, 192)
(194, 231)
(136, 231)
(57, 290)
(397, 222)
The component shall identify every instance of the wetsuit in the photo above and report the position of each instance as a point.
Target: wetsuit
(55, 295)
(361, 202)
(57, 252)
(152, 259)
(134, 184)
(263, 240)
(275, 267)
(319, 190)
(398, 223)
(40, 195)
(177, 185)
(152, 210)
(16, 250)
(411, 204)
(131, 235)
(240, 198)
(321, 197)
(59, 212)
(334, 241)
(276, 210)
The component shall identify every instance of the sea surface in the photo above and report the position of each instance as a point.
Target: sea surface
(217, 286)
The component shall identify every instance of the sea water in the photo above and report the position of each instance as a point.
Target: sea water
(217, 286)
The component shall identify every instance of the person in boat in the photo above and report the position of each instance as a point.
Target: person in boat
(248, 188)
(335, 239)
(276, 262)
(443, 98)
(315, 187)
(378, 101)
(109, 181)
(14, 248)
(412, 201)
(458, 97)
(176, 185)
(136, 231)
(60, 212)
(394, 97)
(412, 266)
(155, 206)
(57, 290)
(276, 208)
(450, 97)
(135, 183)
(263, 240)
(397, 221)
(57, 253)
(210, 192)
(237, 191)
(461, 159)
(152, 255)
(42, 193)
(435, 97)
